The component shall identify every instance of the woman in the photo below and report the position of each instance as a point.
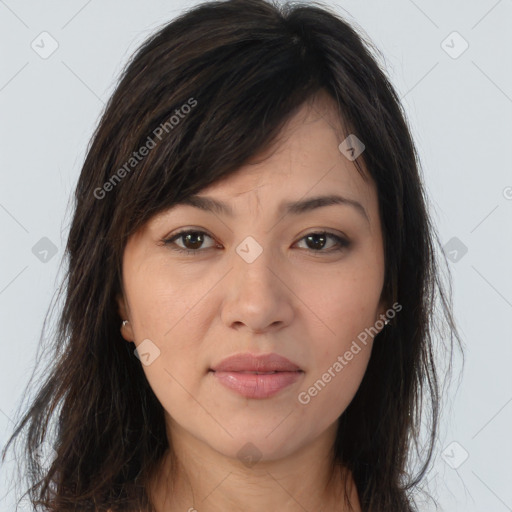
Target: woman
(248, 312)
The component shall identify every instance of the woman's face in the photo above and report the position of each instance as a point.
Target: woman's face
(256, 283)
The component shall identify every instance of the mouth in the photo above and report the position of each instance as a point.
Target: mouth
(256, 375)
(257, 385)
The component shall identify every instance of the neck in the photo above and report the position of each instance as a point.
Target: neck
(197, 477)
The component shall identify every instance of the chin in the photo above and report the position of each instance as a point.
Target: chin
(256, 446)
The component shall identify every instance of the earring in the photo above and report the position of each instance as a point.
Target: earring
(124, 323)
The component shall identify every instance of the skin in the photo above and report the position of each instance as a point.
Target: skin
(307, 306)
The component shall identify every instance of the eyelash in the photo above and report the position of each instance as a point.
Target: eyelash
(341, 242)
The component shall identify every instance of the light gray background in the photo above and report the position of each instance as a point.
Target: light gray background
(460, 109)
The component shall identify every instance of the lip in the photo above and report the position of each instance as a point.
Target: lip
(237, 373)
(246, 362)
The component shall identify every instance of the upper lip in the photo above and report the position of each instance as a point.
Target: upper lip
(255, 363)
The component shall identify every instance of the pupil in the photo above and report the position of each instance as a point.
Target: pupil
(196, 244)
(321, 237)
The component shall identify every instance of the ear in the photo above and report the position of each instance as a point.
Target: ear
(126, 330)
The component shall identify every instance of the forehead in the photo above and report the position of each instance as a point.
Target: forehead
(303, 165)
(304, 161)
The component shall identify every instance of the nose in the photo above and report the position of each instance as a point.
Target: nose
(259, 296)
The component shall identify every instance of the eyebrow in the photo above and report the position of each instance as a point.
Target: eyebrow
(292, 208)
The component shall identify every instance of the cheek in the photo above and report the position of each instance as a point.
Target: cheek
(343, 302)
(333, 383)
(347, 305)
(161, 302)
(166, 311)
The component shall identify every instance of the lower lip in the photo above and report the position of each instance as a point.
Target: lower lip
(251, 385)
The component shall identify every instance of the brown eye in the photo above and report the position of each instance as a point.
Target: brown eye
(191, 239)
(316, 242)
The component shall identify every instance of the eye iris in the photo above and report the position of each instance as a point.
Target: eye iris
(314, 236)
(195, 243)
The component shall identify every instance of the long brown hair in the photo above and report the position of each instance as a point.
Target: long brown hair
(204, 94)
